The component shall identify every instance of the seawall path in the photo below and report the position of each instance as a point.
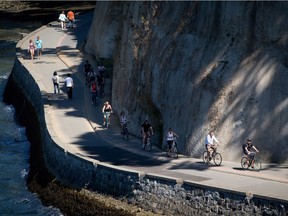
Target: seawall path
(80, 153)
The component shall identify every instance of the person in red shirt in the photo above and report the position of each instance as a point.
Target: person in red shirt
(71, 19)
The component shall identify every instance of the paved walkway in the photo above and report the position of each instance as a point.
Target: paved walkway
(77, 124)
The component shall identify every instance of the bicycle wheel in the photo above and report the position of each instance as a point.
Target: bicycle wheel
(217, 157)
(168, 153)
(127, 135)
(174, 151)
(205, 156)
(257, 165)
(244, 163)
(94, 100)
(149, 145)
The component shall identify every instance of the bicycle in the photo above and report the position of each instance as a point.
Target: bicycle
(147, 145)
(252, 162)
(216, 156)
(125, 132)
(173, 152)
(101, 90)
(94, 97)
(107, 119)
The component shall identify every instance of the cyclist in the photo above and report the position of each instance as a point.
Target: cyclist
(123, 121)
(87, 67)
(100, 81)
(209, 143)
(146, 129)
(93, 89)
(247, 147)
(106, 110)
(170, 137)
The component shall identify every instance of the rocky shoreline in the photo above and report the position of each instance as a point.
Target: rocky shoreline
(40, 181)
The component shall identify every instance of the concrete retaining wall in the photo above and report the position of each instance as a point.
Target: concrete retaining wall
(163, 195)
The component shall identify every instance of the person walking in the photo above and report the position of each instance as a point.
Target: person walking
(31, 49)
(71, 19)
(62, 18)
(55, 80)
(69, 85)
(39, 46)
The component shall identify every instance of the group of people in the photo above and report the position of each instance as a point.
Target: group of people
(70, 18)
(248, 148)
(68, 82)
(94, 81)
(35, 45)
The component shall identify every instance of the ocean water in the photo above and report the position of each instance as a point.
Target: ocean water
(15, 199)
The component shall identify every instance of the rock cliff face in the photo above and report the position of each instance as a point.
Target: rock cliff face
(200, 66)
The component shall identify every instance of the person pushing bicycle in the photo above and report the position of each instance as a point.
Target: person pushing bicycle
(209, 143)
(248, 150)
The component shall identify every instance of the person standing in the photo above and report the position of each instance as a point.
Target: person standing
(39, 46)
(62, 18)
(71, 19)
(69, 85)
(55, 80)
(31, 49)
(209, 143)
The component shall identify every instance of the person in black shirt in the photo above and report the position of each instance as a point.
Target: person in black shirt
(146, 129)
(248, 148)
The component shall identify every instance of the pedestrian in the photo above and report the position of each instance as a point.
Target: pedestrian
(71, 19)
(69, 85)
(39, 46)
(31, 49)
(55, 80)
(62, 18)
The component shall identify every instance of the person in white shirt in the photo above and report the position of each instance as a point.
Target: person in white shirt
(170, 137)
(69, 85)
(209, 143)
(55, 80)
(62, 18)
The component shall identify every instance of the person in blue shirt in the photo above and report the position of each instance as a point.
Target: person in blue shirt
(39, 47)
